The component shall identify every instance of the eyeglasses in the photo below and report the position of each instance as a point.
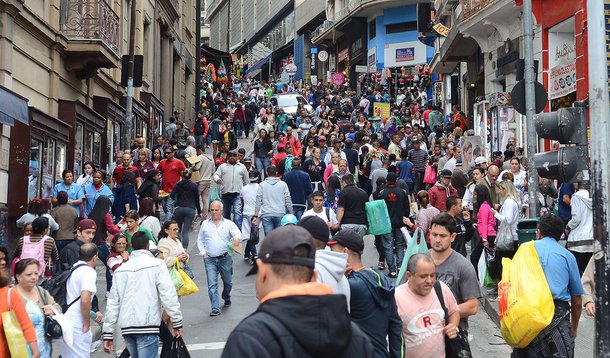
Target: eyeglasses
(168, 153)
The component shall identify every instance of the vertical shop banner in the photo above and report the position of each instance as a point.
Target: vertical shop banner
(381, 110)
(562, 80)
(471, 149)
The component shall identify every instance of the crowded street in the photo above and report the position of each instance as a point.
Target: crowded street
(304, 178)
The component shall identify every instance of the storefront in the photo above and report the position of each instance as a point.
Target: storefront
(141, 119)
(155, 113)
(115, 121)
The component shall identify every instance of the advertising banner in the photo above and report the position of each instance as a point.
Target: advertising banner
(381, 110)
(562, 80)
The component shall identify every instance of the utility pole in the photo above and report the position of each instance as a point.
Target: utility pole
(129, 99)
(599, 112)
(198, 57)
(530, 105)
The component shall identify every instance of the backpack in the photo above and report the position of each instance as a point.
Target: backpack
(199, 127)
(56, 286)
(34, 250)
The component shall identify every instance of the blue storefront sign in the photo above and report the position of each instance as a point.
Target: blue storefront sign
(405, 54)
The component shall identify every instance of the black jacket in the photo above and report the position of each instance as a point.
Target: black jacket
(186, 195)
(301, 327)
(373, 309)
(149, 189)
(69, 254)
(397, 201)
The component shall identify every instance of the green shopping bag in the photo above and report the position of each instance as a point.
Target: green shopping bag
(417, 245)
(377, 217)
(175, 275)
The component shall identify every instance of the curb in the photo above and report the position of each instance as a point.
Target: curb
(490, 308)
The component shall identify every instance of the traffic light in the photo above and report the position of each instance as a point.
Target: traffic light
(569, 127)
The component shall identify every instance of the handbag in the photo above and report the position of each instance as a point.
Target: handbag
(504, 237)
(188, 285)
(13, 332)
(430, 175)
(52, 328)
(188, 270)
(457, 347)
(177, 349)
(254, 235)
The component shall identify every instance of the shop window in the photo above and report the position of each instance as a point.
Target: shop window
(401, 27)
(78, 150)
(372, 29)
(35, 159)
(47, 162)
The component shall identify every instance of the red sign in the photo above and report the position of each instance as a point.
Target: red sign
(338, 78)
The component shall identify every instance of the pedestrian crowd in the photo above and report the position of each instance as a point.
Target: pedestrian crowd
(296, 205)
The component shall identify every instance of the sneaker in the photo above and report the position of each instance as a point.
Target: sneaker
(381, 265)
(214, 313)
(228, 303)
(392, 275)
(246, 257)
(253, 259)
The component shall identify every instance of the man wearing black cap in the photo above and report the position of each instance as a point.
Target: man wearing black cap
(397, 201)
(336, 148)
(233, 176)
(330, 266)
(296, 317)
(442, 190)
(373, 307)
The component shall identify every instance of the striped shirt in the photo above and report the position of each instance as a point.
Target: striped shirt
(418, 157)
(50, 251)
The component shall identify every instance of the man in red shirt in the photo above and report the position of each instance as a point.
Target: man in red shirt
(171, 169)
(117, 174)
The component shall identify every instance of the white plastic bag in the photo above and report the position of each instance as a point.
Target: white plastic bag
(66, 327)
(406, 234)
(482, 268)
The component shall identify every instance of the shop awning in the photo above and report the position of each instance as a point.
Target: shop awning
(259, 65)
(13, 107)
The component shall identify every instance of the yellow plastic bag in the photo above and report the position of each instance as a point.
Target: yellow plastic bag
(524, 298)
(189, 285)
(13, 332)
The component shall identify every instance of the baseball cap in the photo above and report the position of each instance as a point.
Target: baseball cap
(289, 219)
(278, 248)
(480, 160)
(253, 175)
(446, 173)
(336, 140)
(348, 238)
(321, 138)
(316, 227)
(86, 224)
(247, 160)
(497, 154)
(233, 152)
(416, 140)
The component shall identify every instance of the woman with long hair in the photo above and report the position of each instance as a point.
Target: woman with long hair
(10, 300)
(142, 163)
(38, 302)
(519, 175)
(314, 166)
(148, 218)
(332, 167)
(332, 192)
(126, 196)
(486, 224)
(186, 205)
(263, 150)
(170, 247)
(103, 221)
(150, 187)
(511, 206)
(157, 156)
(86, 177)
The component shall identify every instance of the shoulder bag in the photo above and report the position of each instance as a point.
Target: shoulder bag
(52, 328)
(459, 346)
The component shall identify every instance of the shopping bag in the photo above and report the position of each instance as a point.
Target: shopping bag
(524, 298)
(188, 285)
(406, 235)
(482, 270)
(13, 332)
(417, 245)
(430, 175)
(377, 217)
(177, 350)
(175, 275)
(214, 194)
(493, 266)
(504, 237)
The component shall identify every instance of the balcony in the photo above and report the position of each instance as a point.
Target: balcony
(92, 29)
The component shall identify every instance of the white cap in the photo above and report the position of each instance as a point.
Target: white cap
(480, 160)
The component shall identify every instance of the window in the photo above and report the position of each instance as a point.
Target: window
(372, 29)
(401, 27)
(48, 158)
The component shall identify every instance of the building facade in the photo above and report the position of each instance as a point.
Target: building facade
(62, 58)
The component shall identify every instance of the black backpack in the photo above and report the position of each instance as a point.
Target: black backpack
(56, 286)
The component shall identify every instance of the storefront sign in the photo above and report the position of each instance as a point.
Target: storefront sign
(507, 55)
(361, 69)
(405, 54)
(408, 53)
(381, 110)
(441, 29)
(473, 7)
(338, 78)
(343, 55)
(291, 69)
(356, 50)
(372, 57)
(323, 56)
(562, 80)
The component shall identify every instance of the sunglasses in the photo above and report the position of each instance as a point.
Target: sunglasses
(168, 153)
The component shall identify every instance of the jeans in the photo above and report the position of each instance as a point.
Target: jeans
(239, 128)
(232, 204)
(298, 210)
(389, 241)
(270, 223)
(224, 267)
(103, 252)
(262, 164)
(184, 217)
(199, 139)
(142, 345)
(204, 193)
(357, 228)
(168, 208)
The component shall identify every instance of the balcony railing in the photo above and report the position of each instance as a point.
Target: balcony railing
(350, 6)
(91, 20)
(473, 7)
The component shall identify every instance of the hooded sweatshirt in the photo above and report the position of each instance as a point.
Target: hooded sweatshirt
(330, 267)
(373, 309)
(438, 195)
(581, 224)
(303, 320)
(273, 198)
